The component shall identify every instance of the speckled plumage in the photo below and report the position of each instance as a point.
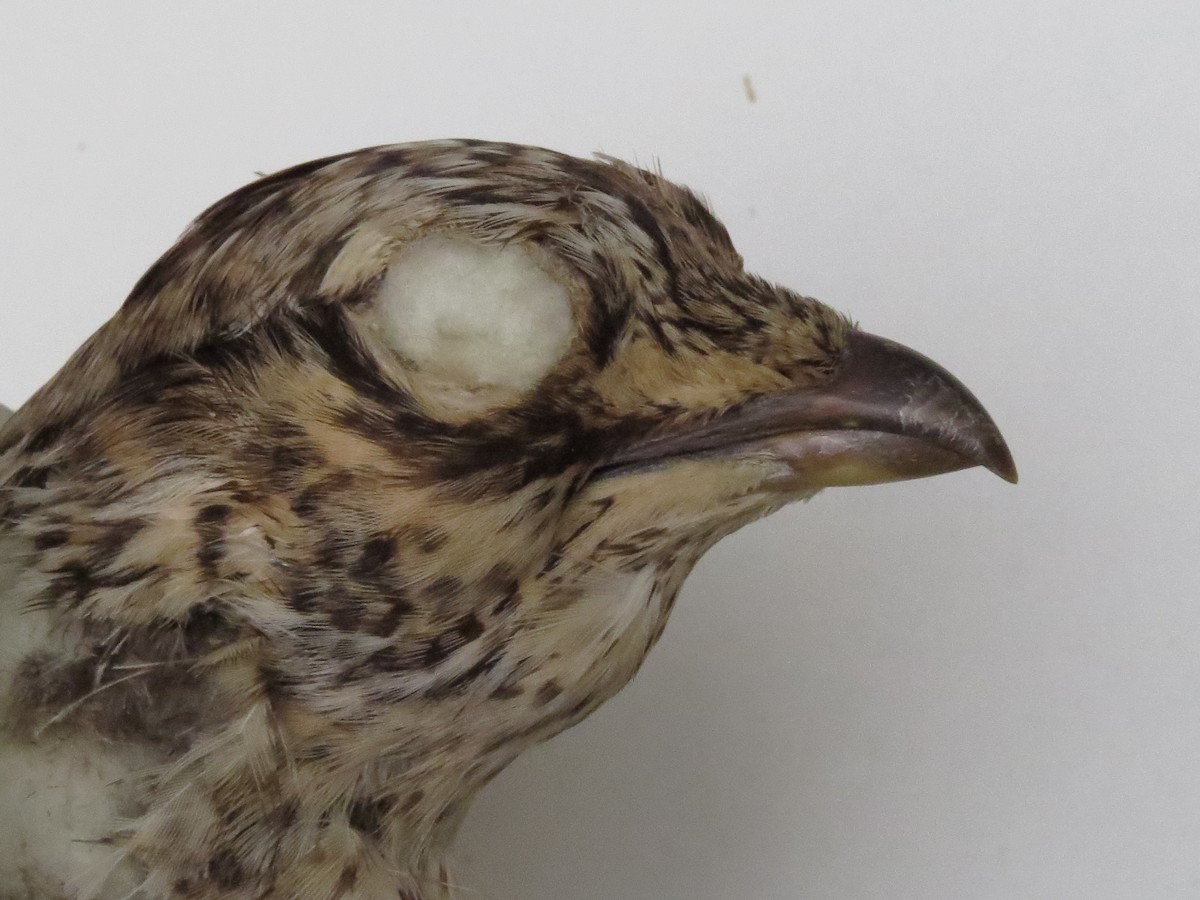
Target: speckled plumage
(291, 601)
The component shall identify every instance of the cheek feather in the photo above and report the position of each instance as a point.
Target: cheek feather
(474, 317)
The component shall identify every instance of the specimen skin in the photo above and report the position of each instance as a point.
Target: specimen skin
(390, 468)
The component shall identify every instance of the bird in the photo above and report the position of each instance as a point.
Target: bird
(391, 467)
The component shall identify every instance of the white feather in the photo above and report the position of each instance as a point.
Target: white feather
(475, 315)
(59, 797)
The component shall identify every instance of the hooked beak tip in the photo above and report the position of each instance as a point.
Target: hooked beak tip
(1000, 461)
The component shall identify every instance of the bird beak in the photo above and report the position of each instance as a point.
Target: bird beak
(888, 414)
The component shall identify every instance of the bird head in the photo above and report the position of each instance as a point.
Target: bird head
(407, 452)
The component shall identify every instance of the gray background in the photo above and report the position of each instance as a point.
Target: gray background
(942, 689)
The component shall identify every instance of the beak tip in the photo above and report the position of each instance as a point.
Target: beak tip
(1000, 462)
(953, 415)
(1007, 471)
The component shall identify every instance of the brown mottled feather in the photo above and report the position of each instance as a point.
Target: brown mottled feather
(304, 606)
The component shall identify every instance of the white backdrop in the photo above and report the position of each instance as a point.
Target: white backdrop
(941, 689)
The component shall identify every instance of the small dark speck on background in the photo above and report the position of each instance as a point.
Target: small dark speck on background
(748, 85)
